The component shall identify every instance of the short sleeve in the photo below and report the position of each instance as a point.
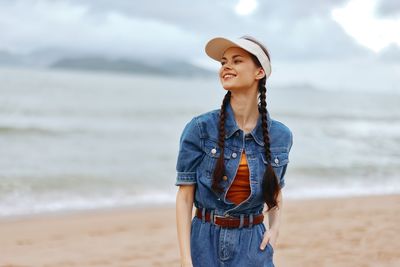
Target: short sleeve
(282, 178)
(190, 154)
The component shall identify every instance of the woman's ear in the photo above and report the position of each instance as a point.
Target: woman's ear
(260, 74)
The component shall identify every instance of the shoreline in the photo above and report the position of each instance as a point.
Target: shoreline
(141, 206)
(345, 231)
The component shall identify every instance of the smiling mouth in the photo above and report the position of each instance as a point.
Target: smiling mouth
(228, 76)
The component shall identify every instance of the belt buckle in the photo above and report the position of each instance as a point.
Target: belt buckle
(220, 216)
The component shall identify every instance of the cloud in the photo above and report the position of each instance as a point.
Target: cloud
(72, 26)
(296, 10)
(299, 34)
(291, 29)
(389, 8)
(390, 54)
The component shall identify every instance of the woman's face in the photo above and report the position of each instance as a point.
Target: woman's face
(238, 70)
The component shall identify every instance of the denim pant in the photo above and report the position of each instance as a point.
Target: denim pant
(214, 246)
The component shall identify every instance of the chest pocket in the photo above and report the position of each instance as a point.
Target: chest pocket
(212, 153)
(279, 159)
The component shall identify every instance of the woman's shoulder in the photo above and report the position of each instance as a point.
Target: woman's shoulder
(281, 131)
(207, 118)
(280, 126)
(207, 115)
(202, 121)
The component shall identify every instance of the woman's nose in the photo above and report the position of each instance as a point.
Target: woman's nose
(226, 66)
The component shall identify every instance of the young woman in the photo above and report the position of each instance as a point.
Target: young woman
(231, 166)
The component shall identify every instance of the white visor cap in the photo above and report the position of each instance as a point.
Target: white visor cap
(216, 48)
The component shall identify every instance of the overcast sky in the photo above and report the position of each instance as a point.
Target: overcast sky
(310, 41)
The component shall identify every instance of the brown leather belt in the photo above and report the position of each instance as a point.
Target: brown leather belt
(230, 222)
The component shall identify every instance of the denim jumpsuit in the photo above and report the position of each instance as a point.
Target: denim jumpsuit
(212, 245)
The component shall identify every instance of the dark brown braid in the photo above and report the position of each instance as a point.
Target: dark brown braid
(270, 183)
(219, 170)
(271, 186)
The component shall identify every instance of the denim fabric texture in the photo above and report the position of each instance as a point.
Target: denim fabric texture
(212, 245)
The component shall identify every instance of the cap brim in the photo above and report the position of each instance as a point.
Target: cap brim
(216, 47)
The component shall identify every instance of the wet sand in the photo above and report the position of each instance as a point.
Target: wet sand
(354, 231)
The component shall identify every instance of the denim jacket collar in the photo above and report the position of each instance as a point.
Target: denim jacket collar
(231, 126)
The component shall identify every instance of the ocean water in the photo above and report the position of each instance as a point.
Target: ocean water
(82, 140)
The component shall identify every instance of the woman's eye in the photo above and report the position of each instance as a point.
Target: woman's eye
(235, 61)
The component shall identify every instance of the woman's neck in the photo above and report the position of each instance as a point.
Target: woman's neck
(245, 109)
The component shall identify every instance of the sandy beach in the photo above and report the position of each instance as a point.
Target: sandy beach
(353, 231)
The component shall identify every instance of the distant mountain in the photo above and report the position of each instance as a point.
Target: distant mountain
(10, 59)
(36, 58)
(64, 59)
(174, 68)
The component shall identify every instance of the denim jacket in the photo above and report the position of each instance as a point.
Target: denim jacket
(199, 151)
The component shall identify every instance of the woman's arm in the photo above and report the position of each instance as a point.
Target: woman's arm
(184, 207)
(274, 219)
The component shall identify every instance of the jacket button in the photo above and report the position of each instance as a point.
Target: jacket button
(237, 133)
(234, 155)
(276, 160)
(213, 151)
(225, 177)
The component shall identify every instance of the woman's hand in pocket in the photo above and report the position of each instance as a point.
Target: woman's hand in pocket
(269, 236)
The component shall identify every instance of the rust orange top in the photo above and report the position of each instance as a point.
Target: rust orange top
(240, 188)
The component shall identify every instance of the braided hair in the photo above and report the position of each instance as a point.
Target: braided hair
(270, 184)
